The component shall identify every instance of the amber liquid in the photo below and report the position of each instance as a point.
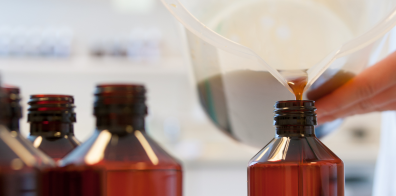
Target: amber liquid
(298, 86)
(296, 179)
(327, 83)
(125, 170)
(297, 81)
(96, 181)
(165, 182)
(73, 181)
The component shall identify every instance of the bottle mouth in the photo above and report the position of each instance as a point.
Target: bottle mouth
(120, 93)
(11, 93)
(290, 105)
(295, 113)
(109, 88)
(43, 102)
(120, 98)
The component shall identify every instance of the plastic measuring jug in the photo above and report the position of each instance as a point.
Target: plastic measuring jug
(245, 52)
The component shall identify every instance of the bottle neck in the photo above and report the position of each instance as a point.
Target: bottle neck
(12, 124)
(291, 131)
(120, 123)
(51, 128)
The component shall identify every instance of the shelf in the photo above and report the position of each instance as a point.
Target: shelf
(81, 65)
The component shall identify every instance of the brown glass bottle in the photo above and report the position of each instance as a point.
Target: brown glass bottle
(295, 162)
(133, 163)
(51, 119)
(21, 165)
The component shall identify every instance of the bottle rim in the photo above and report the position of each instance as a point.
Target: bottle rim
(120, 88)
(45, 102)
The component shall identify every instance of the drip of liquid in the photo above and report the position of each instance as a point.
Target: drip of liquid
(297, 80)
(298, 86)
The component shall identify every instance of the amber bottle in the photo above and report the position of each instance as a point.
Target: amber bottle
(295, 162)
(133, 163)
(51, 119)
(21, 164)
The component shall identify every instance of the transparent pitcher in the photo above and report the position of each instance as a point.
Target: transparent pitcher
(245, 52)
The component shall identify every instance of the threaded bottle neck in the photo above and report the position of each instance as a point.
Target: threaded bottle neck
(295, 117)
(51, 115)
(12, 112)
(120, 108)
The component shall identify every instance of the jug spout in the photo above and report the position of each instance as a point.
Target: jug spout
(297, 81)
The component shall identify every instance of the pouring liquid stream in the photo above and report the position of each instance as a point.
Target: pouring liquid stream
(298, 86)
(297, 80)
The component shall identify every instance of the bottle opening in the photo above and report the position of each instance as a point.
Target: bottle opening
(12, 91)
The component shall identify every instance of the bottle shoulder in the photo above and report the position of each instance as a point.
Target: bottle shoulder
(69, 140)
(55, 147)
(15, 148)
(295, 150)
(127, 151)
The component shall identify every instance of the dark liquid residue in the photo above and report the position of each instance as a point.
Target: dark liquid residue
(327, 83)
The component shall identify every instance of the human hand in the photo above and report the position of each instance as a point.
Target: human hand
(372, 90)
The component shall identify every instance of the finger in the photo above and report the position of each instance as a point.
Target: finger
(367, 84)
(388, 107)
(329, 118)
(380, 102)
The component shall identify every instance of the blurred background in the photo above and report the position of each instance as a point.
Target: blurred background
(69, 46)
